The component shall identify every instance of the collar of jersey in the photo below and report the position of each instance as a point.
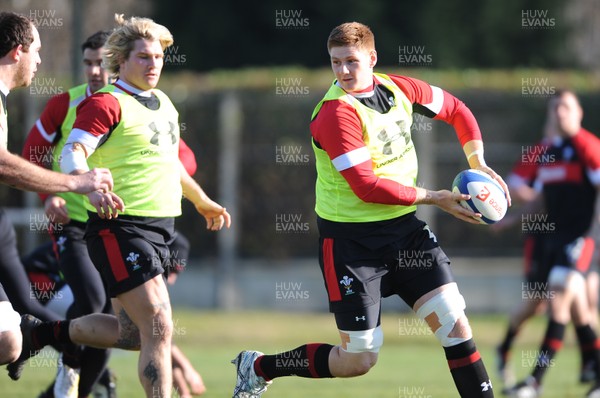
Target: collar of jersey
(362, 94)
(4, 88)
(129, 89)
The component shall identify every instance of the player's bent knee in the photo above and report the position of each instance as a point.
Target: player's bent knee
(364, 363)
(445, 315)
(462, 328)
(10, 333)
(11, 320)
(357, 364)
(10, 341)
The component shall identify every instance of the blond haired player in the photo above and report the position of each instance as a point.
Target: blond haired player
(132, 128)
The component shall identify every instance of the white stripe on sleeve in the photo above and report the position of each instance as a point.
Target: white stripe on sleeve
(351, 159)
(42, 130)
(437, 100)
(83, 137)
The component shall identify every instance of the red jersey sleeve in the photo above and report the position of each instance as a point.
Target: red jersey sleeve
(45, 133)
(438, 104)
(587, 146)
(338, 131)
(97, 114)
(187, 158)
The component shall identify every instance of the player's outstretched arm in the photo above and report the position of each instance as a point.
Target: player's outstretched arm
(447, 201)
(98, 179)
(21, 174)
(216, 216)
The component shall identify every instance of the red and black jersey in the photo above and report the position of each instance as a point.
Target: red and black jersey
(45, 133)
(569, 174)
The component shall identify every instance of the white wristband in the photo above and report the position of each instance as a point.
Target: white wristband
(72, 160)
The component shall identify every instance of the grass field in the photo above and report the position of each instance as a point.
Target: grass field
(411, 363)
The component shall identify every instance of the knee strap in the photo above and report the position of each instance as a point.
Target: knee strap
(444, 309)
(363, 340)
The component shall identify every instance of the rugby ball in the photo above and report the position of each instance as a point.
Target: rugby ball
(487, 196)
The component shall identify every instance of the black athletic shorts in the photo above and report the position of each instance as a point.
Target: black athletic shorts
(537, 267)
(128, 251)
(358, 272)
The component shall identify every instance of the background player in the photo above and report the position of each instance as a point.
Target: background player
(19, 57)
(365, 201)
(49, 135)
(521, 183)
(572, 171)
(68, 217)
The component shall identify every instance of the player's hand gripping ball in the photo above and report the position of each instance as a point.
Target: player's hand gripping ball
(487, 196)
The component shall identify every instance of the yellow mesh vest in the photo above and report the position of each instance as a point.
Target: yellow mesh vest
(75, 202)
(142, 153)
(387, 137)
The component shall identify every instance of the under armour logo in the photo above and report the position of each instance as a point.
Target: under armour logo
(485, 386)
(389, 140)
(157, 134)
(361, 318)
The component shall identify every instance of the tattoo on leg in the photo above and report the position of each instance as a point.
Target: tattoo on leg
(151, 372)
(165, 305)
(129, 336)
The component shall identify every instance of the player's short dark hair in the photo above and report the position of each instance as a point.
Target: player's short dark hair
(351, 34)
(15, 30)
(96, 40)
